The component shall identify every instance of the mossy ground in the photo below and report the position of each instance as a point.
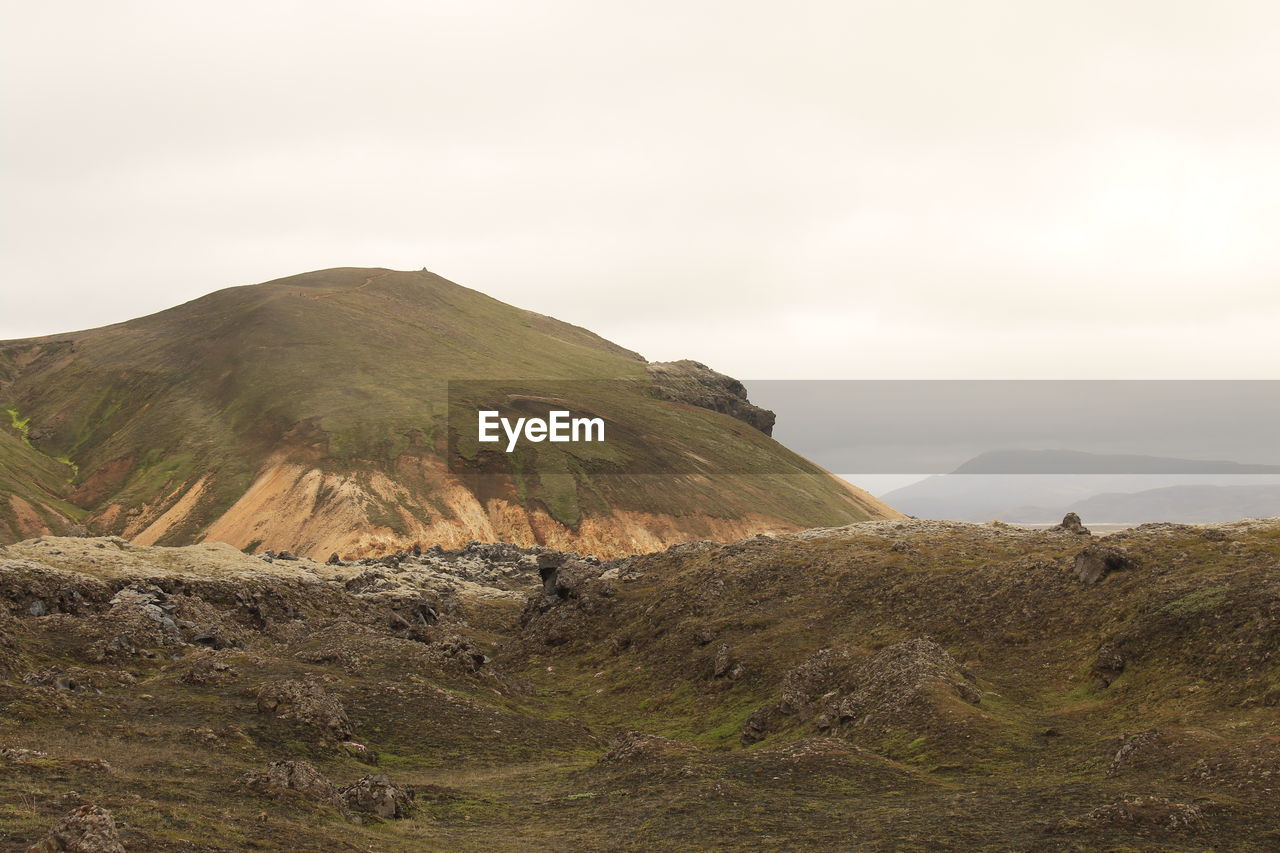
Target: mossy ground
(509, 758)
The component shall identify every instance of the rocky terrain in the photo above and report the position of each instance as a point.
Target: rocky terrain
(336, 411)
(893, 685)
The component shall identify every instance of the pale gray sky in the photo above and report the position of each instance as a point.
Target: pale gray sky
(782, 190)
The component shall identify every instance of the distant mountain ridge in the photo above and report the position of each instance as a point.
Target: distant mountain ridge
(1041, 486)
(1188, 504)
(1078, 462)
(309, 413)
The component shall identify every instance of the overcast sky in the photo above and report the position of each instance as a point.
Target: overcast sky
(782, 190)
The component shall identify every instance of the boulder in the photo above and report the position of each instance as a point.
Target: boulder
(1097, 561)
(283, 776)
(724, 665)
(88, 829)
(1107, 667)
(377, 795)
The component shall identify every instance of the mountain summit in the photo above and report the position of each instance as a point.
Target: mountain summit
(310, 413)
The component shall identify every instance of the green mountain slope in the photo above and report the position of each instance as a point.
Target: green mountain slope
(309, 413)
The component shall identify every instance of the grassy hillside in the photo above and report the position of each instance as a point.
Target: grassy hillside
(33, 487)
(310, 413)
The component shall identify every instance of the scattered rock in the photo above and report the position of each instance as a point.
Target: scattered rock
(1252, 764)
(88, 829)
(207, 669)
(804, 684)
(18, 755)
(59, 680)
(1138, 812)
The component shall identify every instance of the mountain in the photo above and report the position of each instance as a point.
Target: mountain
(1077, 462)
(1040, 486)
(310, 413)
(1194, 504)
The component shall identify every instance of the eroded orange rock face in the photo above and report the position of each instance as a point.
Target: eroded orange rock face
(315, 513)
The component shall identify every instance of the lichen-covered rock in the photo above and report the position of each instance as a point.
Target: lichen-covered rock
(819, 676)
(306, 702)
(904, 685)
(144, 612)
(637, 746)
(377, 795)
(88, 829)
(824, 670)
(1148, 812)
(282, 776)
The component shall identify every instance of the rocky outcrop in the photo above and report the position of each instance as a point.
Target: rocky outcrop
(1097, 561)
(88, 829)
(629, 747)
(208, 668)
(11, 658)
(306, 702)
(1071, 524)
(377, 796)
(803, 686)
(904, 685)
(696, 384)
(281, 777)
